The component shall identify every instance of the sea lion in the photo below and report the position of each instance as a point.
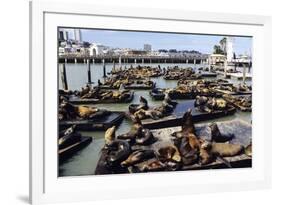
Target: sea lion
(189, 156)
(169, 153)
(145, 138)
(226, 149)
(118, 151)
(67, 131)
(109, 135)
(248, 150)
(217, 136)
(187, 123)
(205, 154)
(137, 157)
(153, 166)
(136, 130)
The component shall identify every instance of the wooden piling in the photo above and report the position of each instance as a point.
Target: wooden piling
(244, 73)
(89, 72)
(63, 77)
(104, 68)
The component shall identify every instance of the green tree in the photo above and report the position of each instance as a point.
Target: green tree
(218, 50)
(223, 44)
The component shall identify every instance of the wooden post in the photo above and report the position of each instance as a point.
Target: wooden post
(63, 77)
(113, 68)
(244, 73)
(104, 68)
(142, 61)
(89, 72)
(75, 60)
(135, 61)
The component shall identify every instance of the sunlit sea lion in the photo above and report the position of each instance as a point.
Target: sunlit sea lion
(217, 136)
(248, 150)
(226, 149)
(137, 157)
(109, 135)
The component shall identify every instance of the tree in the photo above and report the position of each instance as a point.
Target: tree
(218, 50)
(223, 44)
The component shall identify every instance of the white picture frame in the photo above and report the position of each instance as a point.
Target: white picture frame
(46, 187)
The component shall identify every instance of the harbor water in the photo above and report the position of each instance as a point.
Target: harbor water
(85, 161)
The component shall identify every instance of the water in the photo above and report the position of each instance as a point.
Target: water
(85, 161)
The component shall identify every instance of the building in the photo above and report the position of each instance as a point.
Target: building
(136, 53)
(147, 47)
(63, 35)
(77, 35)
(229, 49)
(215, 59)
(96, 49)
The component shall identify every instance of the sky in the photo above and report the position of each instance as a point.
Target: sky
(136, 40)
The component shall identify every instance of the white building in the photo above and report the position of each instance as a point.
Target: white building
(77, 35)
(97, 49)
(229, 49)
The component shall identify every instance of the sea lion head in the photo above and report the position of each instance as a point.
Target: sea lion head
(143, 100)
(206, 145)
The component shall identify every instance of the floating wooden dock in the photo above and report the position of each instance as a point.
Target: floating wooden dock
(77, 100)
(241, 130)
(69, 151)
(175, 119)
(114, 118)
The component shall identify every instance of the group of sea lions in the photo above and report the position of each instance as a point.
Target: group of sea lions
(119, 151)
(68, 111)
(143, 111)
(244, 103)
(96, 93)
(177, 73)
(139, 71)
(210, 104)
(195, 149)
(133, 152)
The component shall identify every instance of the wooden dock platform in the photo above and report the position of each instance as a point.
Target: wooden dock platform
(114, 118)
(175, 119)
(241, 130)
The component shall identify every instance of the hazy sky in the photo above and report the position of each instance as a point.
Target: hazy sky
(135, 40)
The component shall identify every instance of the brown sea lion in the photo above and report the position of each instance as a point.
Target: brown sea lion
(205, 154)
(189, 156)
(187, 123)
(226, 149)
(248, 150)
(137, 157)
(216, 135)
(169, 153)
(153, 166)
(109, 135)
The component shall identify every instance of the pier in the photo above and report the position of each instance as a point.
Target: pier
(191, 59)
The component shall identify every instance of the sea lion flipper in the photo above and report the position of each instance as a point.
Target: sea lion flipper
(227, 163)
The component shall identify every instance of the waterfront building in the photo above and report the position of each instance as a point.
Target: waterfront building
(147, 47)
(96, 49)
